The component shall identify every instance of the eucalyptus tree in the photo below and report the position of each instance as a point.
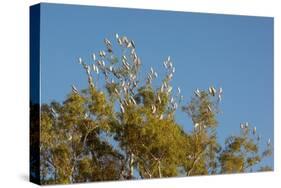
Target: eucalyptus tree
(123, 126)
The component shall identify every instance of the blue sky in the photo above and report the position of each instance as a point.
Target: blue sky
(232, 52)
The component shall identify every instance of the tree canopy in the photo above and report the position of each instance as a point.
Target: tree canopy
(123, 126)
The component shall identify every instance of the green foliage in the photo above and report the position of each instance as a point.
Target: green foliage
(242, 152)
(127, 128)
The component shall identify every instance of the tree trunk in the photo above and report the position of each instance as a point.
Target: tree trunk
(131, 166)
(159, 169)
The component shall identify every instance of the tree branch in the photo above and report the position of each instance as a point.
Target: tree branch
(196, 160)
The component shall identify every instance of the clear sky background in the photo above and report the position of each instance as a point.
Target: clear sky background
(232, 52)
